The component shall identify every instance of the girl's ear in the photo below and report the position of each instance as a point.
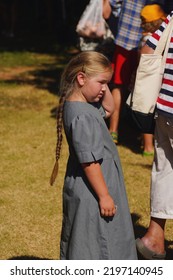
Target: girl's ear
(81, 78)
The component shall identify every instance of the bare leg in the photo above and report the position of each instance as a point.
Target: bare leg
(114, 119)
(148, 143)
(154, 238)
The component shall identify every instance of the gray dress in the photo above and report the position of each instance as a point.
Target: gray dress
(86, 235)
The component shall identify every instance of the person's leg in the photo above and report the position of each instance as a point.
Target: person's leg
(152, 243)
(116, 84)
(114, 119)
(124, 64)
(154, 238)
(148, 147)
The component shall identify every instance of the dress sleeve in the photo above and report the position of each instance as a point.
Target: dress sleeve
(87, 138)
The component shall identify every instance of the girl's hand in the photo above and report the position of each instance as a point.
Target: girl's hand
(107, 206)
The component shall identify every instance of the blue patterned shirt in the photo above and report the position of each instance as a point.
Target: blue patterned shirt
(129, 29)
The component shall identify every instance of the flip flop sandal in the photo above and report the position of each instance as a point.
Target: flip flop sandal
(114, 137)
(147, 253)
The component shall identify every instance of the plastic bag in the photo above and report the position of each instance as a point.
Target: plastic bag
(91, 23)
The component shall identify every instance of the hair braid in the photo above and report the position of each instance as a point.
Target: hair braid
(59, 139)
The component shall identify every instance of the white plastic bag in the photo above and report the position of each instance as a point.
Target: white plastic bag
(91, 23)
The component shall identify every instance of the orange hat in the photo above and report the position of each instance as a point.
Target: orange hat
(152, 12)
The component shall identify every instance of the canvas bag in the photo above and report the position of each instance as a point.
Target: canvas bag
(142, 100)
(91, 23)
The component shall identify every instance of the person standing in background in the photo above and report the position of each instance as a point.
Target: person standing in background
(152, 16)
(125, 59)
(111, 13)
(151, 246)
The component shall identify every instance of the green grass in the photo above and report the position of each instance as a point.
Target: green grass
(31, 210)
(11, 59)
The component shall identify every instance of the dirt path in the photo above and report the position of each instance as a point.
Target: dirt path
(11, 73)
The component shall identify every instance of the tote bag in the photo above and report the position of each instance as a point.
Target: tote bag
(91, 23)
(142, 101)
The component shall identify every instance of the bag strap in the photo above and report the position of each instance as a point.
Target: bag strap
(163, 43)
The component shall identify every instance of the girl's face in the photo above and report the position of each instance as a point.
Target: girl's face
(94, 88)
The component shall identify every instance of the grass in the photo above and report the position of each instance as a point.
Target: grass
(31, 210)
(29, 207)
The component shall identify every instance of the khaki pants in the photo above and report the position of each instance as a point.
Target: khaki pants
(162, 170)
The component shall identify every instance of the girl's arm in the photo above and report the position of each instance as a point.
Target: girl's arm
(108, 102)
(95, 177)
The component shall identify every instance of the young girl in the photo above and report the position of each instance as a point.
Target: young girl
(96, 219)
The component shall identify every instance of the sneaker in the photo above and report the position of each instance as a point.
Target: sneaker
(114, 136)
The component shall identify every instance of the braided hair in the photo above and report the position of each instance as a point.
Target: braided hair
(89, 62)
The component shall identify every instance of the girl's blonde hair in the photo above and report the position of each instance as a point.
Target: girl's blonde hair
(89, 62)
